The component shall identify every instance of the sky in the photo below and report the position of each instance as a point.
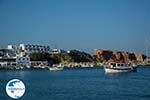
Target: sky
(76, 24)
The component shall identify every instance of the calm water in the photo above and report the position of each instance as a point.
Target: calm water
(79, 84)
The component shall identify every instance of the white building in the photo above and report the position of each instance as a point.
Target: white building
(23, 59)
(34, 48)
(6, 53)
(12, 47)
(57, 51)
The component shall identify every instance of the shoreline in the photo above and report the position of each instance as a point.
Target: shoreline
(65, 66)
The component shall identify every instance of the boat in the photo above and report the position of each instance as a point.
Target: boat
(114, 67)
(56, 67)
(42, 66)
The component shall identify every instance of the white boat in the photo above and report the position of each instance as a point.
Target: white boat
(56, 67)
(42, 66)
(115, 67)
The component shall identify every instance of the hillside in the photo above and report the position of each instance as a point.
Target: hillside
(80, 56)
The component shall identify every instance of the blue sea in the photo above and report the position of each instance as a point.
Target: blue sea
(79, 84)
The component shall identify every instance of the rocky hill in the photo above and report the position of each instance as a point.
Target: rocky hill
(80, 56)
(105, 55)
(72, 56)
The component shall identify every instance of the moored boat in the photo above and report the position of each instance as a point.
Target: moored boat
(57, 67)
(42, 66)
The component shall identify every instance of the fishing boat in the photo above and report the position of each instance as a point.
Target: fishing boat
(114, 67)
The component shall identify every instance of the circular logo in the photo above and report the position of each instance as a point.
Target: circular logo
(15, 88)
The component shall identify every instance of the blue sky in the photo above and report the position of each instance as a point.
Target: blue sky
(76, 24)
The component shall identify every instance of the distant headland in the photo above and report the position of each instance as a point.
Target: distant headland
(40, 56)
